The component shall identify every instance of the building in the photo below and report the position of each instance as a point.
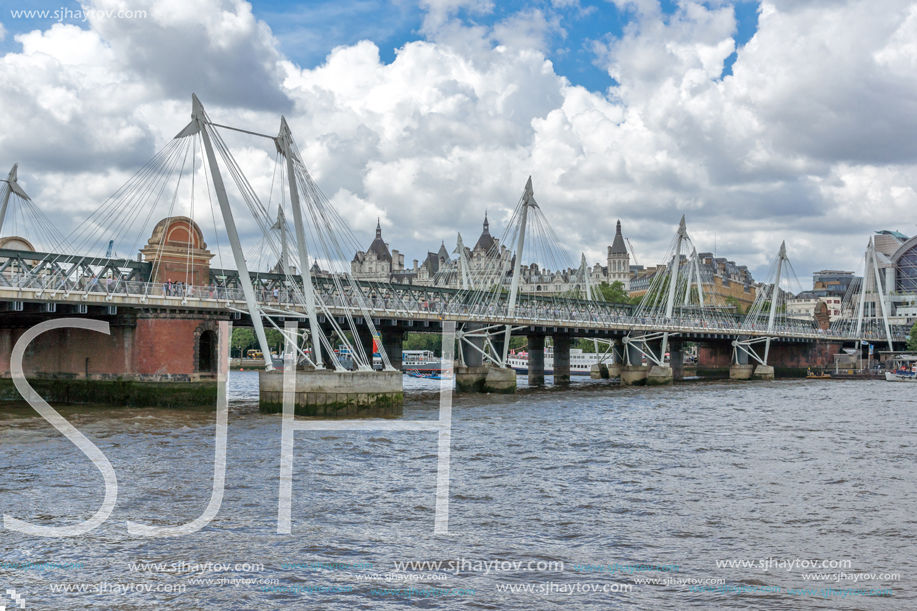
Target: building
(618, 269)
(830, 287)
(725, 283)
(377, 263)
(832, 283)
(803, 306)
(896, 255)
(489, 263)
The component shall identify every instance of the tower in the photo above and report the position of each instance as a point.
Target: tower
(619, 260)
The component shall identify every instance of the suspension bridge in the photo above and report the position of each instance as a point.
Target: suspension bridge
(165, 295)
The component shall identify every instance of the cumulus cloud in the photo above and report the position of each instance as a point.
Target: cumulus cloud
(215, 46)
(810, 139)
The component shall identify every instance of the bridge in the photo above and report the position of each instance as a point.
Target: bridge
(168, 294)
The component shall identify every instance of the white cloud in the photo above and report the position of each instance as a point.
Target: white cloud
(526, 30)
(811, 139)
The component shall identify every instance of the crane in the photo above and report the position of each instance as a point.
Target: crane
(633, 254)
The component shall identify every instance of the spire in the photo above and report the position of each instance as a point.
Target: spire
(486, 224)
(378, 227)
(617, 246)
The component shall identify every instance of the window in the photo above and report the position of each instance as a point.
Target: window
(907, 272)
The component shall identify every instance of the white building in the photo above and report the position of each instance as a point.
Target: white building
(803, 305)
(377, 263)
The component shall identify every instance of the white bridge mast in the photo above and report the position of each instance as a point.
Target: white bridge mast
(284, 144)
(198, 125)
(12, 187)
(527, 201)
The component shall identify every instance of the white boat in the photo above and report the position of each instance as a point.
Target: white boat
(422, 362)
(904, 369)
(580, 362)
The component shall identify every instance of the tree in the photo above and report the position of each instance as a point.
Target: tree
(423, 341)
(912, 340)
(614, 292)
(275, 340)
(738, 306)
(242, 340)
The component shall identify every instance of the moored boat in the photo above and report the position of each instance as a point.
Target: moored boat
(904, 369)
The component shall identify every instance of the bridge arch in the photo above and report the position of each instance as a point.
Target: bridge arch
(207, 352)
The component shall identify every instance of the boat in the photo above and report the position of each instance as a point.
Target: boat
(421, 361)
(580, 362)
(425, 376)
(818, 376)
(904, 369)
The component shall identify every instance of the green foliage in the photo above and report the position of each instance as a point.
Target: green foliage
(274, 340)
(615, 293)
(735, 302)
(423, 341)
(586, 345)
(243, 339)
(912, 340)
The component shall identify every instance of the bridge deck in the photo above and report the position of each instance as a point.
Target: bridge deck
(228, 301)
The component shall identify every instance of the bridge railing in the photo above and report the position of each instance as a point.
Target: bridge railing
(527, 313)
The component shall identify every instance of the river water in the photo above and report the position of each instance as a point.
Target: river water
(621, 485)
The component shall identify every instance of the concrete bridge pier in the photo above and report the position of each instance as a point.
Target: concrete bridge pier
(561, 360)
(617, 351)
(658, 375)
(633, 374)
(149, 358)
(366, 340)
(741, 370)
(331, 394)
(473, 358)
(676, 361)
(536, 360)
(599, 371)
(393, 344)
(475, 376)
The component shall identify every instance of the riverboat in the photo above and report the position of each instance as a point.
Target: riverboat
(580, 362)
(903, 369)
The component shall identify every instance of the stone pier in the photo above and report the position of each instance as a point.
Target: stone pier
(536, 360)
(561, 359)
(633, 373)
(330, 394)
(658, 375)
(741, 372)
(485, 379)
(599, 371)
(366, 341)
(393, 344)
(676, 361)
(164, 358)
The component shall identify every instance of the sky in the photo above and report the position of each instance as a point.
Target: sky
(761, 122)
